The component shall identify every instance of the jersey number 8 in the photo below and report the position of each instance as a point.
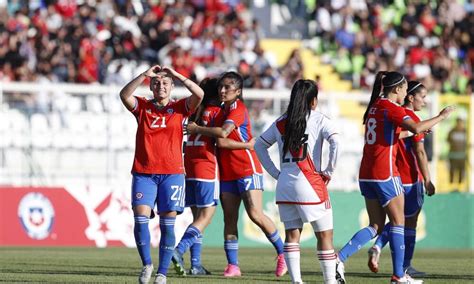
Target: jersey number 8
(371, 135)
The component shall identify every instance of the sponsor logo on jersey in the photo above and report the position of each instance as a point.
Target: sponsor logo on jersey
(36, 215)
(139, 195)
(170, 111)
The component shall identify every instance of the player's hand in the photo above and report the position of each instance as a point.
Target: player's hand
(153, 71)
(326, 178)
(430, 188)
(252, 143)
(191, 128)
(429, 131)
(445, 112)
(169, 70)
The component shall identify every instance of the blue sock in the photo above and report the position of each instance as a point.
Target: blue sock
(276, 242)
(190, 236)
(142, 238)
(410, 241)
(231, 248)
(382, 240)
(357, 242)
(196, 252)
(397, 247)
(167, 243)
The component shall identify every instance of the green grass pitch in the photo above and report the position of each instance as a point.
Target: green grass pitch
(121, 265)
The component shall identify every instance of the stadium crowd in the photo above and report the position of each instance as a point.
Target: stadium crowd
(110, 41)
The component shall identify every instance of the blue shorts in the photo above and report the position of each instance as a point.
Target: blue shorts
(242, 185)
(414, 198)
(383, 191)
(201, 193)
(166, 191)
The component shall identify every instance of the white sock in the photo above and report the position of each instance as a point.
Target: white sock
(327, 261)
(292, 258)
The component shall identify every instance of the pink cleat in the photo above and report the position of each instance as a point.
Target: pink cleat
(281, 268)
(232, 270)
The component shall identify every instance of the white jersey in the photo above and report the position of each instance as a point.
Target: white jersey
(300, 178)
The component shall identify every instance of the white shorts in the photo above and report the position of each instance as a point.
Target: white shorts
(295, 215)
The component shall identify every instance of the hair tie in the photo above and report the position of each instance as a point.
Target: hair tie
(412, 89)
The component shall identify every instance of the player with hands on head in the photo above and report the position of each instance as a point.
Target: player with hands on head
(412, 162)
(158, 170)
(379, 177)
(301, 192)
(241, 174)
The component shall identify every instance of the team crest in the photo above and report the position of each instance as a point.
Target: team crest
(148, 111)
(170, 111)
(36, 215)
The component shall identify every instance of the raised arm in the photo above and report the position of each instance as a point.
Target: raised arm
(425, 125)
(197, 93)
(422, 160)
(126, 94)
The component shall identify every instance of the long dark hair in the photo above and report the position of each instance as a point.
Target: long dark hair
(238, 81)
(211, 97)
(384, 83)
(414, 87)
(299, 109)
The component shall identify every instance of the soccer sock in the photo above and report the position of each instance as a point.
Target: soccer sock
(276, 242)
(142, 238)
(190, 236)
(397, 247)
(292, 258)
(231, 248)
(327, 261)
(357, 242)
(382, 240)
(196, 252)
(410, 241)
(167, 243)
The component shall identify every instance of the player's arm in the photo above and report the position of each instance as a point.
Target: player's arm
(425, 125)
(422, 160)
(126, 94)
(231, 144)
(193, 101)
(216, 132)
(333, 140)
(265, 141)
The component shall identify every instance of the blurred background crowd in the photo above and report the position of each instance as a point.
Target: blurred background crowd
(108, 42)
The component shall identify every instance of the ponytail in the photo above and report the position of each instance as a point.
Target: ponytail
(376, 91)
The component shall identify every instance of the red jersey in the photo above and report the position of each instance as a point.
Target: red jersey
(406, 157)
(200, 151)
(382, 129)
(159, 139)
(236, 164)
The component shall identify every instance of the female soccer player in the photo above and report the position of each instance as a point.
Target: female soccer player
(241, 174)
(202, 179)
(301, 192)
(411, 162)
(158, 171)
(379, 178)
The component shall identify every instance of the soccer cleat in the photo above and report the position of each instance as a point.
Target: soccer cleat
(160, 279)
(232, 270)
(404, 280)
(178, 263)
(281, 268)
(145, 275)
(199, 270)
(340, 278)
(374, 256)
(410, 270)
